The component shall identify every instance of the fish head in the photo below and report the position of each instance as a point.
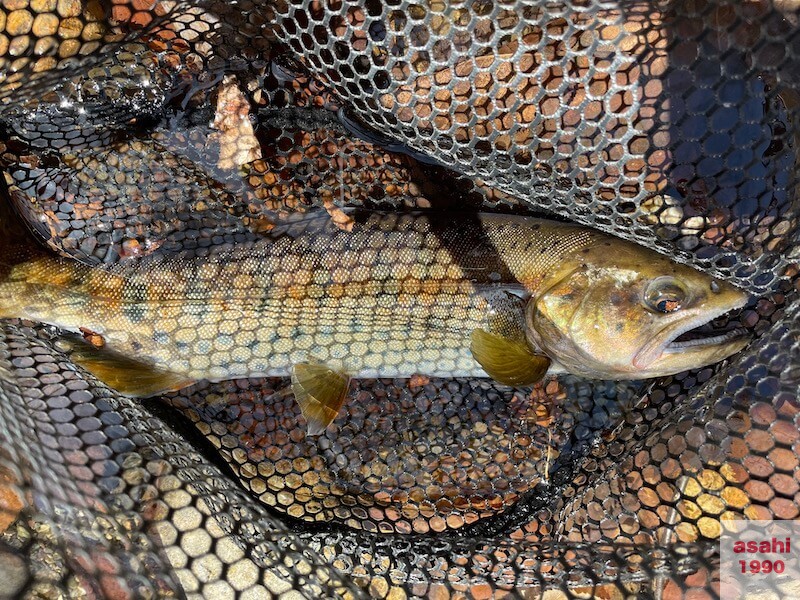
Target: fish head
(625, 312)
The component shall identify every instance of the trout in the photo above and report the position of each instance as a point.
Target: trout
(506, 297)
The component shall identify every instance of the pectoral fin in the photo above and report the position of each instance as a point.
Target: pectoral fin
(320, 392)
(127, 375)
(507, 361)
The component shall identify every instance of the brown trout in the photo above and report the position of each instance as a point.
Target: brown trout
(506, 297)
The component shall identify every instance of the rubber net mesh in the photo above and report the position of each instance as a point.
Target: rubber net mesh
(130, 129)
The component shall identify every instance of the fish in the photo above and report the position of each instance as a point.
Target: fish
(513, 298)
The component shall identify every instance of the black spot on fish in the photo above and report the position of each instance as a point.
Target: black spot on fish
(136, 346)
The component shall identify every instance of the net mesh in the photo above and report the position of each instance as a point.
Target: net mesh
(134, 129)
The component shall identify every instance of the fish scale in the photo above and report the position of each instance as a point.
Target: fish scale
(396, 296)
(307, 292)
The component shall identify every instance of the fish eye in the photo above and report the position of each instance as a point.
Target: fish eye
(664, 295)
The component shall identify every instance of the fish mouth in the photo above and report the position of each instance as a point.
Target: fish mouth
(696, 338)
(693, 342)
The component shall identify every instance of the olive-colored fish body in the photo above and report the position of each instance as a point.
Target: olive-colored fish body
(441, 295)
(400, 294)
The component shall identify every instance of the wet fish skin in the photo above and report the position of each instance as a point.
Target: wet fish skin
(398, 295)
(599, 318)
(394, 297)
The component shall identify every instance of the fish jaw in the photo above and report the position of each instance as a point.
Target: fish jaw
(664, 355)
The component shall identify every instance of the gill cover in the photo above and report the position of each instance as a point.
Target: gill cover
(616, 312)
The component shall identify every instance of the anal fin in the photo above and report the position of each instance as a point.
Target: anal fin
(127, 375)
(320, 391)
(507, 361)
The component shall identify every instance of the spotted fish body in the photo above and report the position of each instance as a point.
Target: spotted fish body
(488, 295)
(396, 296)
